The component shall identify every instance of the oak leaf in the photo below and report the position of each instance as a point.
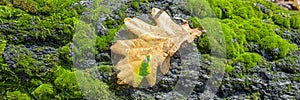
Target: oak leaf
(152, 49)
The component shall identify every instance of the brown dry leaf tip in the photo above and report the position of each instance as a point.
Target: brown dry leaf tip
(152, 49)
(288, 4)
(297, 2)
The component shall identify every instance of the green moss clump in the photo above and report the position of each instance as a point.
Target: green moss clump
(26, 5)
(203, 44)
(295, 21)
(195, 22)
(245, 12)
(288, 64)
(36, 82)
(59, 71)
(7, 12)
(213, 40)
(145, 1)
(255, 96)
(67, 86)
(276, 47)
(92, 87)
(103, 42)
(135, 5)
(225, 6)
(55, 27)
(44, 91)
(2, 47)
(17, 95)
(25, 61)
(218, 12)
(249, 59)
(9, 80)
(229, 8)
(281, 20)
(199, 8)
(234, 42)
(64, 55)
(110, 23)
(229, 69)
(256, 29)
(84, 41)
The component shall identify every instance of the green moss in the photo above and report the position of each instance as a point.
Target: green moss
(44, 91)
(254, 96)
(25, 61)
(64, 55)
(92, 87)
(2, 47)
(203, 44)
(9, 80)
(199, 8)
(230, 8)
(245, 12)
(135, 5)
(276, 47)
(297, 79)
(96, 10)
(104, 68)
(56, 24)
(218, 12)
(103, 42)
(195, 22)
(59, 71)
(289, 64)
(26, 5)
(249, 59)
(8, 12)
(234, 48)
(213, 40)
(144, 1)
(47, 21)
(84, 41)
(36, 82)
(67, 86)
(281, 20)
(110, 23)
(17, 95)
(224, 5)
(29, 72)
(256, 29)
(229, 69)
(295, 21)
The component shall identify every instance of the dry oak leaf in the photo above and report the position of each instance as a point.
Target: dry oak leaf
(152, 48)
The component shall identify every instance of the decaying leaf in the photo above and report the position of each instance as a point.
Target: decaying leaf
(288, 4)
(152, 48)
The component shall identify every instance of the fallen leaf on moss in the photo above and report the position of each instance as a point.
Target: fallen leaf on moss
(152, 48)
(288, 4)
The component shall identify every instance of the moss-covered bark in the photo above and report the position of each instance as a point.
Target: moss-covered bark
(254, 32)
